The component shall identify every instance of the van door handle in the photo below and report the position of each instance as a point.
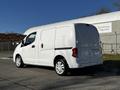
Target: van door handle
(33, 46)
(42, 45)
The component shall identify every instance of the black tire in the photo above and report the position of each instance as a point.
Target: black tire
(18, 62)
(61, 67)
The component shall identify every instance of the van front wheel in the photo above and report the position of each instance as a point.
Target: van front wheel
(18, 61)
(61, 67)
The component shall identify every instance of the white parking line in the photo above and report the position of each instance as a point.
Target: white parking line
(5, 58)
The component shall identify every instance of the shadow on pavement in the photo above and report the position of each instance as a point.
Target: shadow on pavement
(109, 68)
(94, 73)
(40, 67)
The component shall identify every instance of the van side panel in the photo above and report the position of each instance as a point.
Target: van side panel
(64, 37)
(46, 47)
(64, 42)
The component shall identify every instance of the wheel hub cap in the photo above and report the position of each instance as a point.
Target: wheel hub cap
(60, 67)
(18, 61)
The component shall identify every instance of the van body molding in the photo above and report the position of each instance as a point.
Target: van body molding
(63, 48)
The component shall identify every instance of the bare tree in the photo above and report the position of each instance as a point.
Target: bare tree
(103, 10)
(117, 4)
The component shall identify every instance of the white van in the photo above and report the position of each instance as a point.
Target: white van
(61, 46)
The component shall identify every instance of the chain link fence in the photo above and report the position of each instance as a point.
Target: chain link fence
(107, 48)
(110, 43)
(6, 49)
(7, 46)
(110, 48)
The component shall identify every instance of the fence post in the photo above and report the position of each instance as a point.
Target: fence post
(102, 47)
(116, 41)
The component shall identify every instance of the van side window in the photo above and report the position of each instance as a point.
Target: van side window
(30, 38)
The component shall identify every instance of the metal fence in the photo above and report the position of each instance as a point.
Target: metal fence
(110, 48)
(7, 46)
(110, 43)
(107, 48)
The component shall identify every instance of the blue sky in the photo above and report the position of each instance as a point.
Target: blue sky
(19, 15)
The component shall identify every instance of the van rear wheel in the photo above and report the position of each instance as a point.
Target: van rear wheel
(18, 61)
(61, 67)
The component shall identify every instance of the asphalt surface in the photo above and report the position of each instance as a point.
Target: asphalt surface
(45, 78)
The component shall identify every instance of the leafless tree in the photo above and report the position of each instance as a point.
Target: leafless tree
(117, 4)
(103, 10)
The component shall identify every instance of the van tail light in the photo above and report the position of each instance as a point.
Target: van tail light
(74, 52)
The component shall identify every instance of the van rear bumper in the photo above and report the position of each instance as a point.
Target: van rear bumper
(81, 65)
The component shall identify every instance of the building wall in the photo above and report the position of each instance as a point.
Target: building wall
(111, 40)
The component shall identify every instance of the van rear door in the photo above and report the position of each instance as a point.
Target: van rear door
(87, 43)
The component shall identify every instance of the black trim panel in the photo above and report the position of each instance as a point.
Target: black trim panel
(63, 48)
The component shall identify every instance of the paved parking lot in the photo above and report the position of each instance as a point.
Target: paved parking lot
(6, 54)
(45, 78)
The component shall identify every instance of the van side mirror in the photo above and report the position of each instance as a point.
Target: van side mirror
(17, 43)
